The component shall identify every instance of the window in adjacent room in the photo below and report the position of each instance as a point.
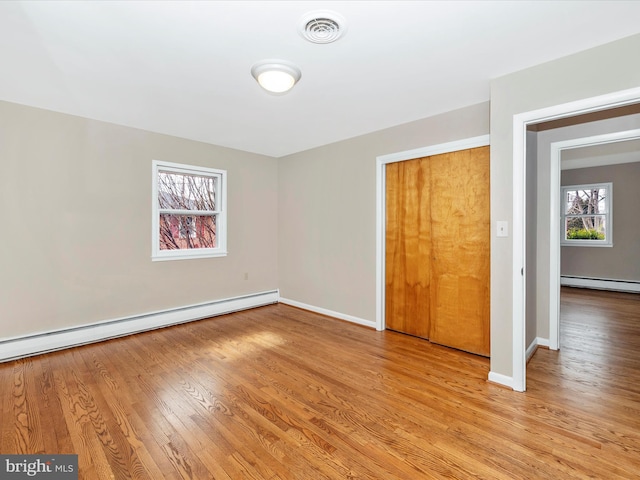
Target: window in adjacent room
(586, 215)
(189, 211)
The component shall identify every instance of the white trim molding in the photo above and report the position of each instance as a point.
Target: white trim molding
(500, 379)
(44, 342)
(533, 346)
(455, 146)
(628, 286)
(330, 313)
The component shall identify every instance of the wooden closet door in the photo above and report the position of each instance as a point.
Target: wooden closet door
(460, 246)
(408, 247)
(438, 249)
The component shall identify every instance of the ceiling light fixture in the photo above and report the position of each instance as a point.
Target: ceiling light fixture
(276, 76)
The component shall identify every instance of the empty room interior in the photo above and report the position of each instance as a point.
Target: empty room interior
(320, 240)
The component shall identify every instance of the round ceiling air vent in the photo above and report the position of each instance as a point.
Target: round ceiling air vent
(322, 26)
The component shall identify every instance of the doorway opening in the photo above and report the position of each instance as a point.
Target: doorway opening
(557, 149)
(602, 105)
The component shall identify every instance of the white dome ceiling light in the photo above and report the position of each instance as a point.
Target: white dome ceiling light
(322, 26)
(276, 76)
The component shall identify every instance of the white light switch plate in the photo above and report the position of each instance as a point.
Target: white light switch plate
(502, 228)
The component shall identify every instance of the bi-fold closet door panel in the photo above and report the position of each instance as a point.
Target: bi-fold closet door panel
(408, 247)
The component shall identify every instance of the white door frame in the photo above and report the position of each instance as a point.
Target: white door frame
(381, 205)
(520, 123)
(555, 216)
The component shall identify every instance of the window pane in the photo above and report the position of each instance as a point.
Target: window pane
(585, 228)
(585, 202)
(178, 232)
(186, 192)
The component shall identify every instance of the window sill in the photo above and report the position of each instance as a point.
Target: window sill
(585, 244)
(187, 256)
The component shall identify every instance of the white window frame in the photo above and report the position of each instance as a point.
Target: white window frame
(608, 214)
(220, 213)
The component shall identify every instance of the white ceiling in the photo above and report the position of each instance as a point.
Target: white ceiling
(183, 68)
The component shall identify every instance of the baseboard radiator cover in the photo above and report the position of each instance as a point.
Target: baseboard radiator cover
(44, 342)
(631, 286)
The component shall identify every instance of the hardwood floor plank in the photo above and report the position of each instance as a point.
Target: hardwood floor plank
(92, 461)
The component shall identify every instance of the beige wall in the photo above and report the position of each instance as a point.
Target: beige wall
(327, 211)
(622, 261)
(76, 223)
(602, 70)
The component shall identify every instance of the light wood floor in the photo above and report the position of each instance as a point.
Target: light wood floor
(280, 393)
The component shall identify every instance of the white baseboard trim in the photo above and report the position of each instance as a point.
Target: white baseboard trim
(537, 342)
(531, 349)
(601, 284)
(330, 313)
(543, 342)
(508, 381)
(44, 342)
(501, 379)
